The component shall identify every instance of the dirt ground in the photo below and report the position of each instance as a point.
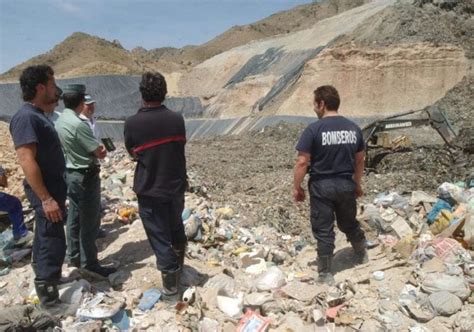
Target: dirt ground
(253, 174)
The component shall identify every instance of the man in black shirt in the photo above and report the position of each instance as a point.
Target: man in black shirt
(41, 158)
(334, 148)
(156, 137)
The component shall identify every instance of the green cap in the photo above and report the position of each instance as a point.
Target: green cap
(74, 89)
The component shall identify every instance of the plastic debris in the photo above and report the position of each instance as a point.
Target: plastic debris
(149, 298)
(228, 305)
(99, 307)
(121, 320)
(272, 279)
(253, 322)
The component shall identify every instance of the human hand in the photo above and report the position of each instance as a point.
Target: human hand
(359, 191)
(3, 181)
(102, 152)
(298, 194)
(3, 178)
(52, 211)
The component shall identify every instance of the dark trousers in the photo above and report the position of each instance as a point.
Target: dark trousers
(12, 206)
(49, 244)
(333, 199)
(164, 229)
(83, 219)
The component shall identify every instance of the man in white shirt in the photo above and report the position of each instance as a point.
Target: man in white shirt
(87, 114)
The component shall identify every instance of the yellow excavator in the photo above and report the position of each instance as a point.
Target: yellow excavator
(379, 143)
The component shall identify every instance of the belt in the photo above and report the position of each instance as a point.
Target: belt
(88, 170)
(330, 176)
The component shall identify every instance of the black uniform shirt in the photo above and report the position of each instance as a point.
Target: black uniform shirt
(161, 168)
(332, 142)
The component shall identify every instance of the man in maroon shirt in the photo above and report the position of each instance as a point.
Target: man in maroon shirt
(156, 137)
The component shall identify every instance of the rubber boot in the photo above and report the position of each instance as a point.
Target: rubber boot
(170, 291)
(324, 271)
(180, 250)
(49, 300)
(360, 252)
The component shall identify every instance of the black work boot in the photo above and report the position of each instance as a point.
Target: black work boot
(324, 270)
(360, 252)
(49, 300)
(170, 290)
(101, 270)
(180, 250)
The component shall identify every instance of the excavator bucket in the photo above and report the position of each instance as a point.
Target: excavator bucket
(441, 124)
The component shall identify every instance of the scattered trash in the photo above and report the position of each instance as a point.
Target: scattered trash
(27, 318)
(379, 275)
(269, 274)
(121, 320)
(301, 291)
(436, 282)
(225, 213)
(437, 208)
(228, 305)
(332, 312)
(318, 317)
(149, 298)
(208, 325)
(253, 322)
(4, 271)
(189, 295)
(74, 292)
(272, 279)
(99, 306)
(445, 303)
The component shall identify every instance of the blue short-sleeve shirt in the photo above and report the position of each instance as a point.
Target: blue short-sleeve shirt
(332, 143)
(30, 125)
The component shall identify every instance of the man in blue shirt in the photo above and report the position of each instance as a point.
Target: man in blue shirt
(335, 150)
(40, 156)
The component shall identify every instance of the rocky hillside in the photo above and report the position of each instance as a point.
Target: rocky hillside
(84, 55)
(387, 57)
(285, 22)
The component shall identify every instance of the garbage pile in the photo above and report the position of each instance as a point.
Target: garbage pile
(420, 275)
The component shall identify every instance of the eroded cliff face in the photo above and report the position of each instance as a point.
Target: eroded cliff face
(245, 79)
(379, 80)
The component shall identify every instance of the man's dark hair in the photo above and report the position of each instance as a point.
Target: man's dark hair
(153, 87)
(330, 96)
(31, 77)
(72, 100)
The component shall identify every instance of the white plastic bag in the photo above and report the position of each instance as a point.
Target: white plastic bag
(273, 278)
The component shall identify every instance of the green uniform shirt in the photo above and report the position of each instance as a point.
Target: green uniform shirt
(77, 140)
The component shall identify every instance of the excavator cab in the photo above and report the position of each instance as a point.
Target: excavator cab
(376, 133)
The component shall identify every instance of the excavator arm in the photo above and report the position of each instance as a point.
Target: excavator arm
(432, 117)
(428, 117)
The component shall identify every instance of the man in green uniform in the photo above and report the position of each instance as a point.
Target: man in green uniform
(82, 151)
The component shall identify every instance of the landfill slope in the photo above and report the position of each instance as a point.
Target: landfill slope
(117, 97)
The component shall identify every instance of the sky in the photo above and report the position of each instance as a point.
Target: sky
(32, 27)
